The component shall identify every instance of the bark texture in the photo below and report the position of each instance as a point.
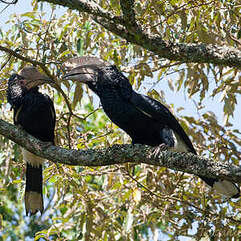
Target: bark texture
(127, 27)
(119, 154)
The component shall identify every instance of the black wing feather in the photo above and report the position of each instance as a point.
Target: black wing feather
(37, 116)
(160, 113)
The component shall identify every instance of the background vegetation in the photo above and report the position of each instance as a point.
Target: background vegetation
(125, 202)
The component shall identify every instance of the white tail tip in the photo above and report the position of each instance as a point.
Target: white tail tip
(227, 188)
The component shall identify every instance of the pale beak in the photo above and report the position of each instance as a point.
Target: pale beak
(83, 74)
(83, 61)
(83, 69)
(33, 76)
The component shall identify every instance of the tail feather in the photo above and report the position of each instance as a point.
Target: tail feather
(227, 188)
(224, 187)
(33, 190)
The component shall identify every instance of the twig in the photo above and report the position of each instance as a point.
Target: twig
(204, 211)
(91, 113)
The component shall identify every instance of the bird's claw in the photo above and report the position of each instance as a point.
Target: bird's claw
(160, 148)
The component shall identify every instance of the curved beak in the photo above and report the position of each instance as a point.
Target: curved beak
(83, 74)
(33, 76)
(83, 69)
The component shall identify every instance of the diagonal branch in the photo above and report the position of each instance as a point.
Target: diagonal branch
(129, 15)
(13, 2)
(19, 56)
(119, 154)
(89, 7)
(199, 53)
(128, 11)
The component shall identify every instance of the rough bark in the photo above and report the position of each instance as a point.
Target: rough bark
(126, 27)
(119, 154)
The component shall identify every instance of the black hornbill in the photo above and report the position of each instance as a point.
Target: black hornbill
(35, 113)
(144, 119)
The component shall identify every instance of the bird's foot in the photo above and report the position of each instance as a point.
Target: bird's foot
(48, 144)
(44, 146)
(160, 148)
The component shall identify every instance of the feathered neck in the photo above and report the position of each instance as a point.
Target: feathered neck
(110, 79)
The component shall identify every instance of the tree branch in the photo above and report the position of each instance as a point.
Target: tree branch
(129, 16)
(128, 11)
(87, 6)
(13, 2)
(119, 154)
(199, 53)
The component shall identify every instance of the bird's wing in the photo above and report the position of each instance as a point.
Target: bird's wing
(37, 116)
(160, 113)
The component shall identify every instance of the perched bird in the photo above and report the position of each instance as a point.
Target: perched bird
(35, 113)
(144, 119)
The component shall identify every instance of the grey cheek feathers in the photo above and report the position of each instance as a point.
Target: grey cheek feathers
(32, 159)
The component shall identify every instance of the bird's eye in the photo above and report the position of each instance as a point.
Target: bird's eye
(21, 82)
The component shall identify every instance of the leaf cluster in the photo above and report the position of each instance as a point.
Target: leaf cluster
(123, 202)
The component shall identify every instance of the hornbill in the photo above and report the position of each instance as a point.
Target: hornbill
(35, 113)
(144, 119)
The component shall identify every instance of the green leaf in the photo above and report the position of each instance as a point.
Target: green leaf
(80, 45)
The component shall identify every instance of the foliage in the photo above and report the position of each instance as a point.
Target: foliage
(123, 202)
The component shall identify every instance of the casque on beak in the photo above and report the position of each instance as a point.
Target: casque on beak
(83, 69)
(83, 74)
(32, 77)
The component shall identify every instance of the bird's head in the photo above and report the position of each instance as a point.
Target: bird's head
(19, 84)
(29, 77)
(102, 77)
(83, 69)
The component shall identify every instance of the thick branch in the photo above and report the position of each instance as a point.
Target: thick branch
(127, 7)
(129, 15)
(89, 7)
(199, 53)
(119, 154)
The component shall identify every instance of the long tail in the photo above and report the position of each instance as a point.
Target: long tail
(224, 187)
(33, 190)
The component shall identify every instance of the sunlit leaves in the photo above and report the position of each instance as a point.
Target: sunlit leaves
(129, 202)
